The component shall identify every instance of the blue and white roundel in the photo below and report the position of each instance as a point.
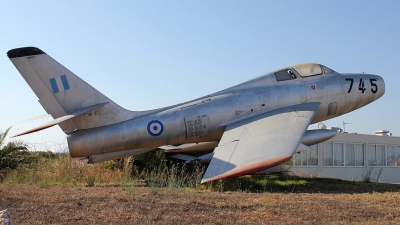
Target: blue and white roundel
(155, 128)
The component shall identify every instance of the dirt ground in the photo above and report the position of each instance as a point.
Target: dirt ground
(31, 204)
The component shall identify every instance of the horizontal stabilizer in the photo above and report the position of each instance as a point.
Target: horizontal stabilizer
(203, 159)
(302, 148)
(61, 119)
(170, 147)
(186, 158)
(190, 147)
(36, 118)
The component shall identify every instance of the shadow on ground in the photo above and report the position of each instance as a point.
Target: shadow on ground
(293, 184)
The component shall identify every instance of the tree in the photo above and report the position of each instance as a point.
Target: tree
(13, 153)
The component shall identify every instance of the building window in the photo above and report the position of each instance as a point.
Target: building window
(376, 155)
(338, 156)
(393, 155)
(307, 158)
(327, 154)
(354, 155)
(333, 154)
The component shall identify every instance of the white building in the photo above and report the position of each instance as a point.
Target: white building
(352, 157)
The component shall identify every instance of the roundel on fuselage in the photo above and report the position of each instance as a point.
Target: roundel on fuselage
(155, 128)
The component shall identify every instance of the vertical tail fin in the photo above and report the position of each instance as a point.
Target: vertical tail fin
(61, 92)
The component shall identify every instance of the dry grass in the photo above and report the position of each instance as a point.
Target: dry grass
(30, 204)
(63, 170)
(67, 191)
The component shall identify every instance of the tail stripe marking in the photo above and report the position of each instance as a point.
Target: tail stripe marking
(64, 82)
(54, 85)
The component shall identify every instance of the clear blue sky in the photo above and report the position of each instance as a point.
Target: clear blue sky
(149, 54)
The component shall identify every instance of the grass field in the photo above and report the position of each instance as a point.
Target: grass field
(65, 191)
(318, 201)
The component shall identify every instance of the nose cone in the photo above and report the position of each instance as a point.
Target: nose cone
(366, 89)
(377, 86)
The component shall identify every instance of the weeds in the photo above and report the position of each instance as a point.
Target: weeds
(242, 195)
(54, 169)
(128, 185)
(62, 170)
(175, 180)
(130, 189)
(153, 190)
(369, 174)
(90, 181)
(45, 182)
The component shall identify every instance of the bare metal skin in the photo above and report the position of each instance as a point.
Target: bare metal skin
(255, 125)
(246, 99)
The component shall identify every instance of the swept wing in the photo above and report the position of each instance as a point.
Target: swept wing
(260, 142)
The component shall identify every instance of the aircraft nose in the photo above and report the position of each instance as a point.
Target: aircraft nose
(367, 88)
(377, 86)
(382, 85)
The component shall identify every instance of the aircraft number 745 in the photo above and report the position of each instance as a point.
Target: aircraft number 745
(374, 87)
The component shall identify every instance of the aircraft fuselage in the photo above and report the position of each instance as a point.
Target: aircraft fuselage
(205, 119)
(255, 125)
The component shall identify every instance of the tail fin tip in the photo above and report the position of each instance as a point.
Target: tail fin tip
(25, 51)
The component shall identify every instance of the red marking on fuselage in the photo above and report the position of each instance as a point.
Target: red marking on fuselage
(313, 87)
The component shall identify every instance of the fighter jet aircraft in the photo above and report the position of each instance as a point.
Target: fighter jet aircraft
(254, 125)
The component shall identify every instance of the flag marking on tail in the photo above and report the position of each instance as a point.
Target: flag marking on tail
(54, 85)
(64, 83)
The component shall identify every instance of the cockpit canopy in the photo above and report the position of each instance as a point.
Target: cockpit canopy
(304, 70)
(311, 69)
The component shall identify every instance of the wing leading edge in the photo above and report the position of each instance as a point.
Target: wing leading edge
(260, 142)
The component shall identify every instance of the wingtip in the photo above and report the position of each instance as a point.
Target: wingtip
(204, 181)
(250, 169)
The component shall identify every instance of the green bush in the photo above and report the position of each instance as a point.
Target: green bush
(13, 153)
